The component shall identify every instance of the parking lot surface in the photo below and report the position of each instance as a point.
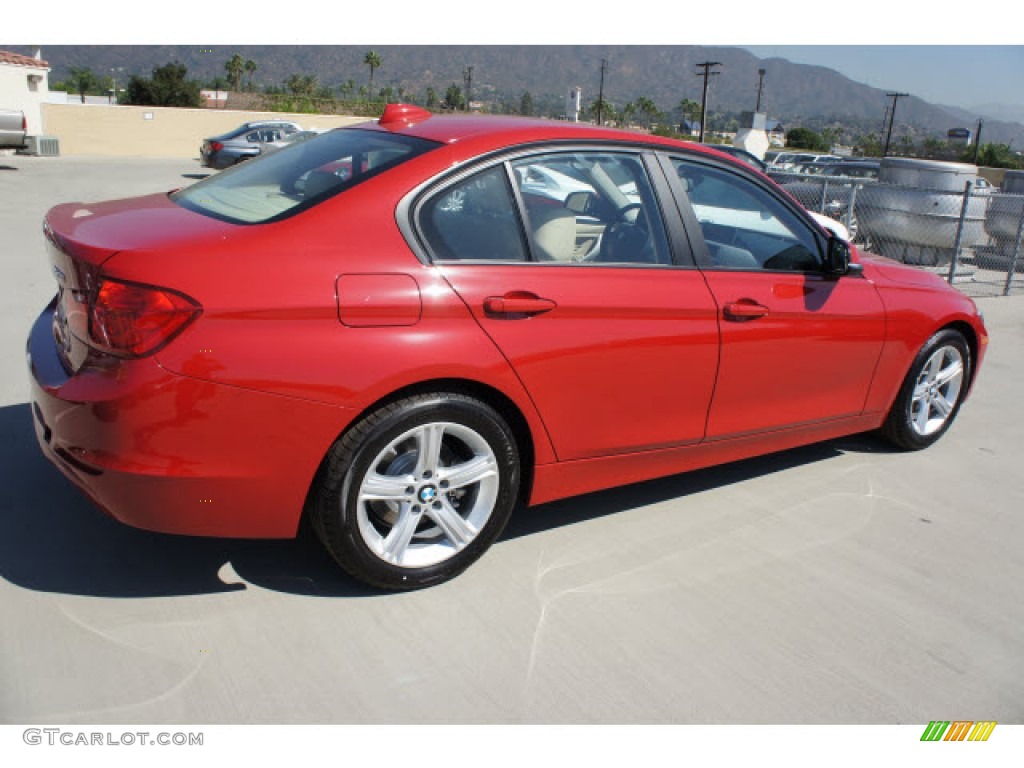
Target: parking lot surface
(838, 583)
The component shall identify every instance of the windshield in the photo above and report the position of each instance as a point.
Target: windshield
(300, 176)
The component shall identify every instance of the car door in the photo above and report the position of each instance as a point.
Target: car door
(798, 346)
(566, 262)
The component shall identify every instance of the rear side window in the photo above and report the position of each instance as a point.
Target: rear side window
(474, 220)
(301, 176)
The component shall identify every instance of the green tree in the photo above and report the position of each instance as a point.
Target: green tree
(805, 138)
(627, 115)
(526, 104)
(933, 147)
(646, 111)
(992, 156)
(868, 145)
(453, 98)
(605, 107)
(167, 88)
(83, 80)
(250, 70)
(301, 85)
(235, 66)
(372, 60)
(690, 110)
(431, 98)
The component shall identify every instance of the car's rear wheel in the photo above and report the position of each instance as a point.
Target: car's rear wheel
(417, 490)
(932, 392)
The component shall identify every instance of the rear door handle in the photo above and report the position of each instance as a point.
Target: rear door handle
(517, 303)
(743, 310)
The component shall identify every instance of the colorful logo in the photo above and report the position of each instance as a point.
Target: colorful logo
(959, 730)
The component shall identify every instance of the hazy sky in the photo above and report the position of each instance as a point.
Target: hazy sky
(962, 76)
(964, 63)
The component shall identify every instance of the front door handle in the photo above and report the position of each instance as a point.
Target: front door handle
(743, 310)
(517, 303)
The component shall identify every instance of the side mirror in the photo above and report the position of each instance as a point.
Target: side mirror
(578, 202)
(837, 258)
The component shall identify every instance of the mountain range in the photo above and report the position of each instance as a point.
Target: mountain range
(796, 94)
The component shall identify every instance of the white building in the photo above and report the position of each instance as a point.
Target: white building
(24, 86)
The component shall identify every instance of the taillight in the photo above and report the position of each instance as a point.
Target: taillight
(132, 320)
(24, 123)
(216, 146)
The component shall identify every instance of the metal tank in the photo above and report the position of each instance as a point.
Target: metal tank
(1003, 222)
(913, 213)
(1004, 212)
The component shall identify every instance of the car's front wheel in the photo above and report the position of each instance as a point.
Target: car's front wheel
(932, 392)
(417, 490)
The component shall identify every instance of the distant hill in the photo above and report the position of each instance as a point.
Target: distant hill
(796, 94)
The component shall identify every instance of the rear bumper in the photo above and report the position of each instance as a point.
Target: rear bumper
(170, 453)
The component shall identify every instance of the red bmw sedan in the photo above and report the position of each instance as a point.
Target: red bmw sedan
(403, 329)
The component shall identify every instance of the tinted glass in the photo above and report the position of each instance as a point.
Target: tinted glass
(744, 226)
(300, 176)
(474, 220)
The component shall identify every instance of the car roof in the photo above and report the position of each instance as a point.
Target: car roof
(483, 132)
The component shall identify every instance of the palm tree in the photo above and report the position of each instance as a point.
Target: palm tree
(250, 70)
(83, 79)
(372, 60)
(647, 111)
(235, 66)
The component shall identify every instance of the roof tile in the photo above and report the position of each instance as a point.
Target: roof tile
(6, 57)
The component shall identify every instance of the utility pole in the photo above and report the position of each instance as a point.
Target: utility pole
(760, 88)
(892, 119)
(977, 141)
(706, 66)
(600, 93)
(467, 76)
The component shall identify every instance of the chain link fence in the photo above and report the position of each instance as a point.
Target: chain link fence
(972, 238)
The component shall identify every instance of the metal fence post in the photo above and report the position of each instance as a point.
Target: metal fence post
(1016, 251)
(959, 232)
(824, 196)
(850, 217)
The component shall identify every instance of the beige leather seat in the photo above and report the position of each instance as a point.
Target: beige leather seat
(554, 232)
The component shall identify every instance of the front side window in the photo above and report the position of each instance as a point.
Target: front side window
(744, 226)
(301, 176)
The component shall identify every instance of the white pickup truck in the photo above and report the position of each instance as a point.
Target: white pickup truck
(13, 128)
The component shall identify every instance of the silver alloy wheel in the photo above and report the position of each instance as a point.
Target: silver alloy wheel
(427, 495)
(936, 390)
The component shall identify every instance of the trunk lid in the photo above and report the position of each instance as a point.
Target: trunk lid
(82, 237)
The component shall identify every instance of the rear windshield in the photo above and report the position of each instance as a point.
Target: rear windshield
(280, 184)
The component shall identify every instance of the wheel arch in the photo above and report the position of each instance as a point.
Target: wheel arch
(495, 398)
(971, 335)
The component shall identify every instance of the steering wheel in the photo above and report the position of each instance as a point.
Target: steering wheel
(620, 215)
(626, 241)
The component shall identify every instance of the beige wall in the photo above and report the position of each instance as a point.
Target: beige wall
(86, 129)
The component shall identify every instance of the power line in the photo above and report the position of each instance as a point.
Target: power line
(706, 66)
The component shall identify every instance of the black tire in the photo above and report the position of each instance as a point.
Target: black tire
(445, 527)
(910, 424)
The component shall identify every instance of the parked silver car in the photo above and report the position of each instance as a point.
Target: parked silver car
(12, 129)
(243, 142)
